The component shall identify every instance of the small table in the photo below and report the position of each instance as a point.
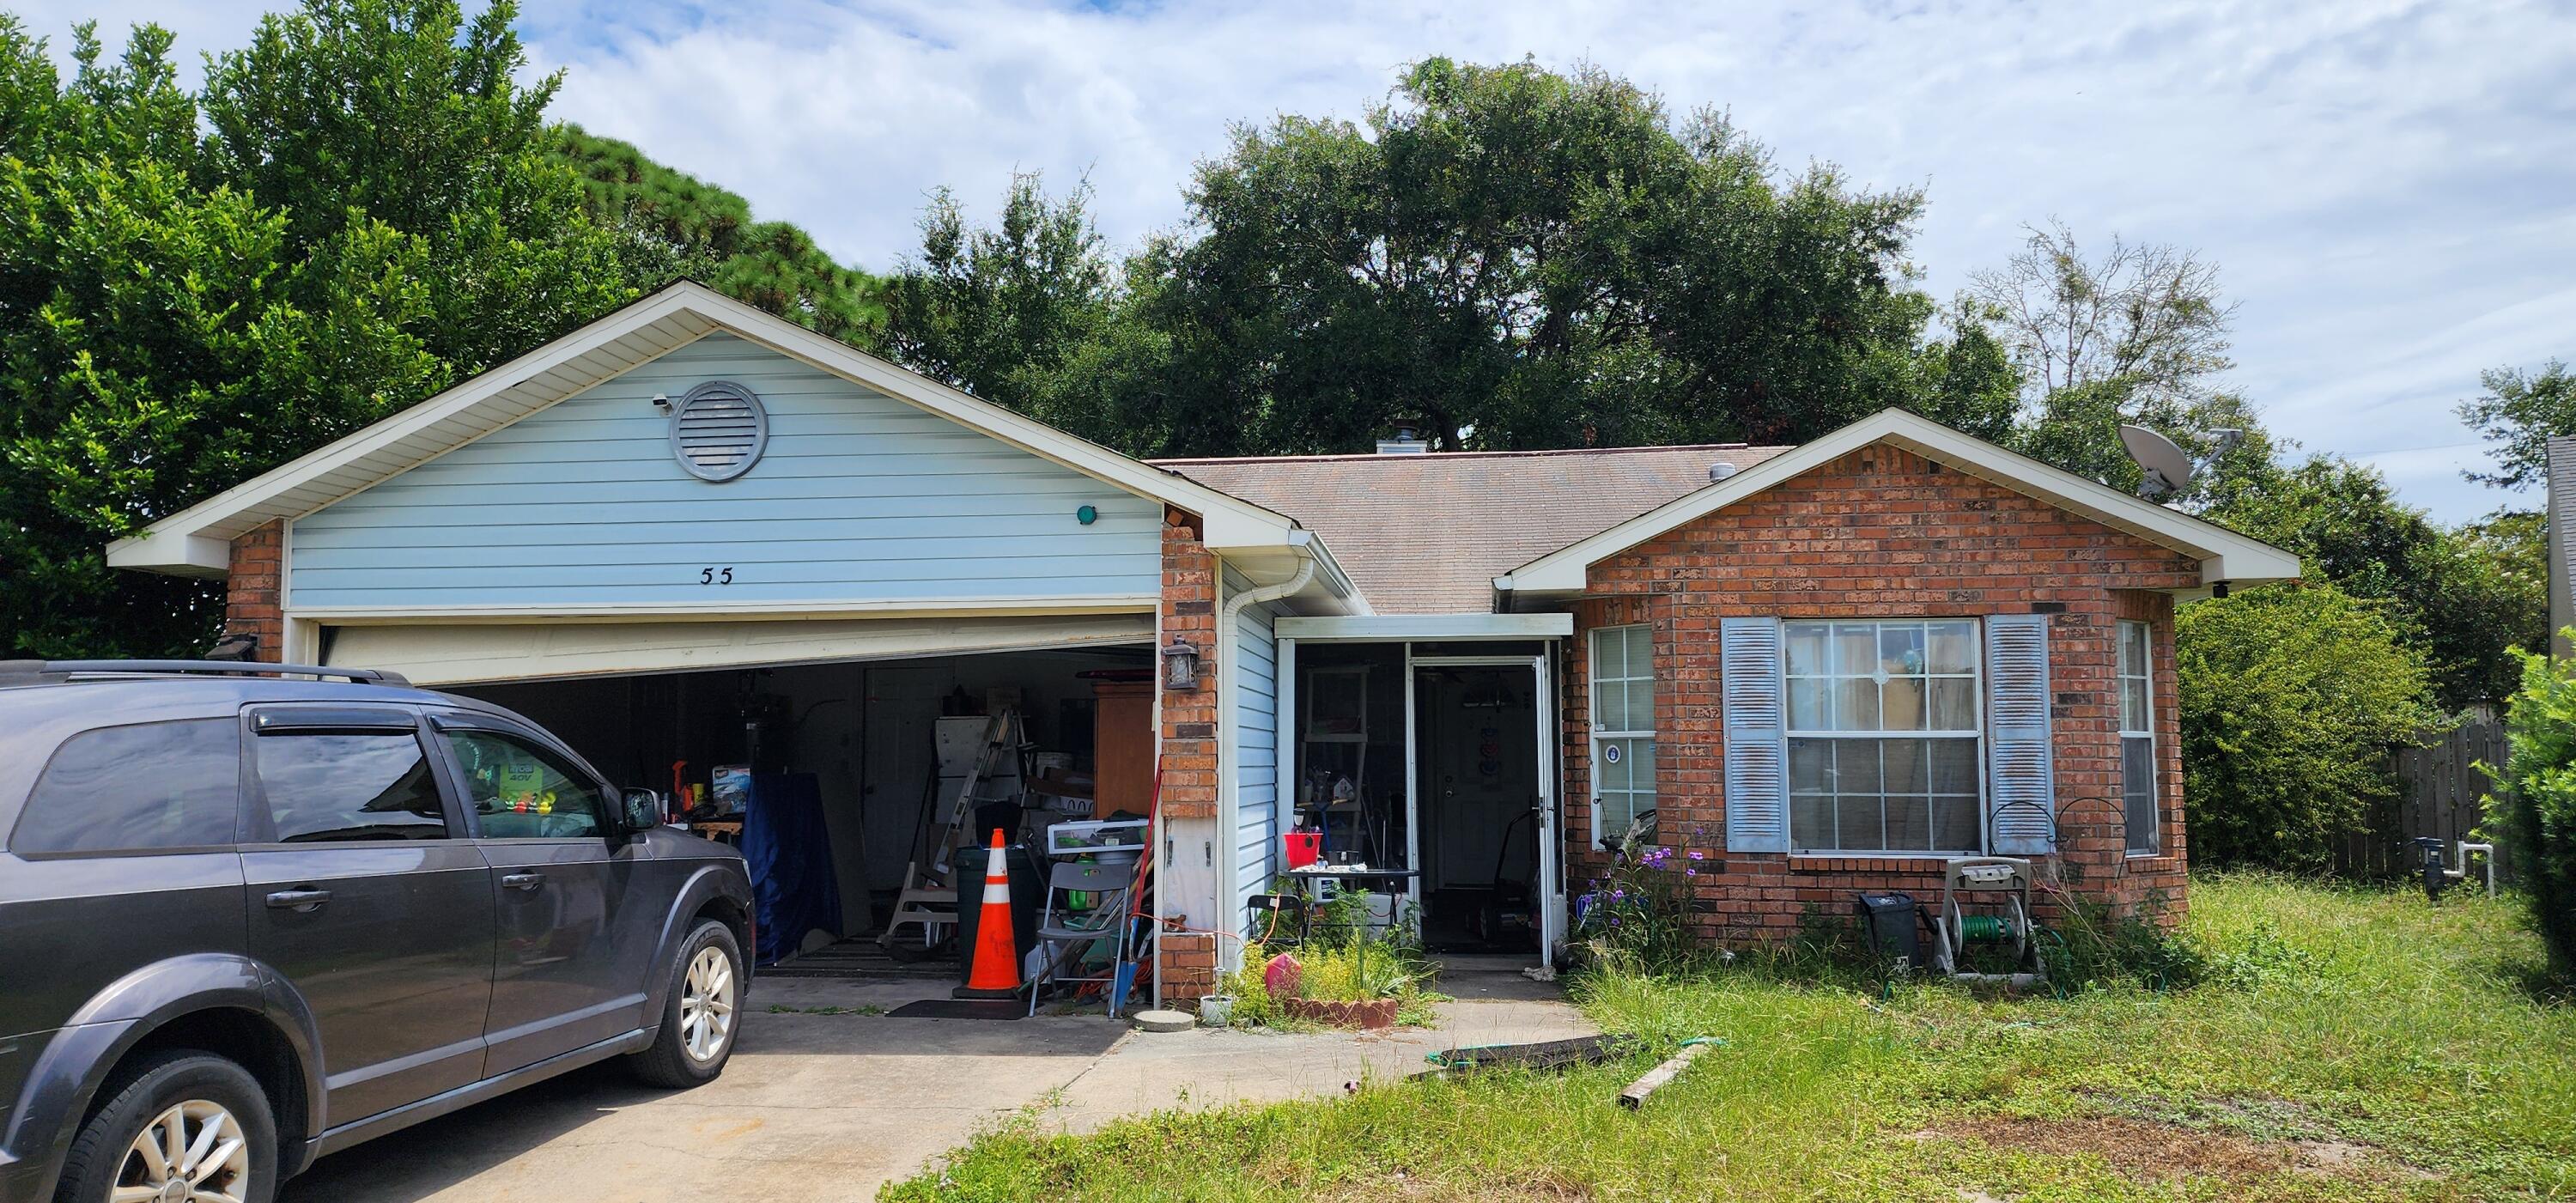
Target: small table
(1340, 875)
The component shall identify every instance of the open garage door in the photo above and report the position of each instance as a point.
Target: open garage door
(467, 653)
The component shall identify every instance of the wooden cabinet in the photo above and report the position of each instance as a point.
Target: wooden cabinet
(1122, 747)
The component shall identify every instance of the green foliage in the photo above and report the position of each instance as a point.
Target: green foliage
(2137, 334)
(2518, 415)
(2537, 808)
(2292, 696)
(671, 224)
(1636, 917)
(1018, 314)
(2364, 1018)
(372, 210)
(1519, 257)
(401, 113)
(2463, 595)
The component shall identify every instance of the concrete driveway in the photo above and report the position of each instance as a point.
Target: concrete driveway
(819, 1107)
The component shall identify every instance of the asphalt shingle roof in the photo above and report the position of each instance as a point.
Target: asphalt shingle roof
(1427, 534)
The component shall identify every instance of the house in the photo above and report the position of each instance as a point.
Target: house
(691, 532)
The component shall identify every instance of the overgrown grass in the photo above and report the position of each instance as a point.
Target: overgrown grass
(2344, 1044)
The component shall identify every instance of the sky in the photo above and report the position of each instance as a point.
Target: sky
(2385, 186)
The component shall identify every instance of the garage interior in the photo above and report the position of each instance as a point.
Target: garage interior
(841, 758)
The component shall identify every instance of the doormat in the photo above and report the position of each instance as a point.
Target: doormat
(961, 1008)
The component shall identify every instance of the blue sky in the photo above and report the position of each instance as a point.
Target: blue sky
(2385, 185)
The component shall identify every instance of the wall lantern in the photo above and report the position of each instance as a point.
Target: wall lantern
(1181, 664)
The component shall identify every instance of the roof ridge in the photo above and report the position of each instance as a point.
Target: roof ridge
(1442, 456)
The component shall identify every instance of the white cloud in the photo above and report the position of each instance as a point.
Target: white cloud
(2382, 181)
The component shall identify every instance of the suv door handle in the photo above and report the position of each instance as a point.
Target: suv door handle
(298, 900)
(522, 881)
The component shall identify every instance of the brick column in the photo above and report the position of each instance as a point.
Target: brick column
(253, 597)
(1188, 798)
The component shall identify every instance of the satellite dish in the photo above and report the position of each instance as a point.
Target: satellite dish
(2165, 469)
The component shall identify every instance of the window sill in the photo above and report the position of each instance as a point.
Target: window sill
(1894, 862)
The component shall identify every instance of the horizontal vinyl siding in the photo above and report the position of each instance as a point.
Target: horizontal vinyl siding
(1256, 746)
(858, 498)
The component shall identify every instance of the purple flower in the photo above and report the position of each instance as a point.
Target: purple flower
(1690, 872)
(1696, 854)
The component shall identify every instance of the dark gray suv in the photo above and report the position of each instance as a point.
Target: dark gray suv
(246, 920)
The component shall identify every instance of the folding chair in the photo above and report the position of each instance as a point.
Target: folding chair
(1065, 939)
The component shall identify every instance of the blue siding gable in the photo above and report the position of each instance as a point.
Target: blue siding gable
(859, 498)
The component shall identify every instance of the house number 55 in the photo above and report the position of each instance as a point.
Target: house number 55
(715, 576)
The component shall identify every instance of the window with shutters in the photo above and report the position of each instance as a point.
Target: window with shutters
(1623, 731)
(2139, 803)
(1885, 735)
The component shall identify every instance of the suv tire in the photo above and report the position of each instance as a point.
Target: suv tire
(226, 1136)
(700, 1011)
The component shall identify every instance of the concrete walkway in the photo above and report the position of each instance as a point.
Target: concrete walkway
(826, 1107)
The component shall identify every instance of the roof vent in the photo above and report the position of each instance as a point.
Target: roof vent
(1721, 470)
(718, 430)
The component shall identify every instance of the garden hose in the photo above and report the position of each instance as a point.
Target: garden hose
(1990, 928)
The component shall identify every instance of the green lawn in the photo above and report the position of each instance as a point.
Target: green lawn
(2352, 1045)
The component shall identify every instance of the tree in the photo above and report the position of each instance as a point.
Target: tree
(670, 225)
(2464, 596)
(153, 346)
(2291, 697)
(2518, 415)
(401, 113)
(1003, 312)
(2535, 803)
(2135, 335)
(1522, 259)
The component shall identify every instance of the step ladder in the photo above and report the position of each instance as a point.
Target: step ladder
(929, 895)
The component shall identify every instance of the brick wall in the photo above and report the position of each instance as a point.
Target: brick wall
(252, 589)
(1883, 533)
(1189, 759)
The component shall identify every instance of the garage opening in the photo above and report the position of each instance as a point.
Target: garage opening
(844, 774)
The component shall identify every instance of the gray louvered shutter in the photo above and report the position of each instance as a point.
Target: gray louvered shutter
(1757, 738)
(2021, 770)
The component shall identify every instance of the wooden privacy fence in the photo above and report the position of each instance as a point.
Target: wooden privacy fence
(2439, 793)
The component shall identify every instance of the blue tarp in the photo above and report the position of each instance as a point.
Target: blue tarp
(790, 850)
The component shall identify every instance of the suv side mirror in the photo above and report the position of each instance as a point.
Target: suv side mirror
(640, 810)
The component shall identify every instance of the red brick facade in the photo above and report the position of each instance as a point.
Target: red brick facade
(1883, 533)
(252, 589)
(1188, 788)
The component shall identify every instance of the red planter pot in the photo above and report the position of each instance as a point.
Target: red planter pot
(1377, 1014)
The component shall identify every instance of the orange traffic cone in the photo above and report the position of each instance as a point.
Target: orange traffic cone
(996, 968)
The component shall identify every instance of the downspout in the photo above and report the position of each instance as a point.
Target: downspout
(1229, 756)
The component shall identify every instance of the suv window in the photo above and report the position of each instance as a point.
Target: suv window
(331, 786)
(147, 787)
(524, 790)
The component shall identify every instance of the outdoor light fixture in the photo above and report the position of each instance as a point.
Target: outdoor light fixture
(1181, 664)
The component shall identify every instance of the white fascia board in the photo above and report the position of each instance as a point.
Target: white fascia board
(1470, 625)
(173, 552)
(1226, 521)
(2224, 554)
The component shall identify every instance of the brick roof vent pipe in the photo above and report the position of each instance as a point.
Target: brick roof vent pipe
(1407, 439)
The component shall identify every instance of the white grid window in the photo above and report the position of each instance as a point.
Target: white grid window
(2138, 792)
(1623, 730)
(1884, 736)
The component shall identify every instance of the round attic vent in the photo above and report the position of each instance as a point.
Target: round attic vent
(718, 430)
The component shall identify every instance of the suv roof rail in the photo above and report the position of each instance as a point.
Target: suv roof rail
(219, 668)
